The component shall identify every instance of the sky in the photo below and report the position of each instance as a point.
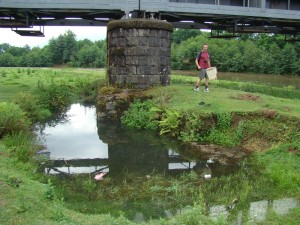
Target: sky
(13, 39)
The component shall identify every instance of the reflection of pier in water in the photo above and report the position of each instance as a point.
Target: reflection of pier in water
(147, 163)
(116, 150)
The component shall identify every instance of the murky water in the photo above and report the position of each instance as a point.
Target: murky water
(269, 79)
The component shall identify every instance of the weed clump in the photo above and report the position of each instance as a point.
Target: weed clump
(12, 119)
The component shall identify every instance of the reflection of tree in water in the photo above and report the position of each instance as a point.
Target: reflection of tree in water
(61, 118)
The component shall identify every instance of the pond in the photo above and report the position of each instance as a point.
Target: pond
(145, 175)
(268, 79)
(88, 147)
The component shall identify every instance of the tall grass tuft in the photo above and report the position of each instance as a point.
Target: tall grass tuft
(22, 145)
(12, 119)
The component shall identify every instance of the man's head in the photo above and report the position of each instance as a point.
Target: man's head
(205, 47)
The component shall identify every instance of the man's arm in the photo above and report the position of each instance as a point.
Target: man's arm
(208, 63)
(197, 61)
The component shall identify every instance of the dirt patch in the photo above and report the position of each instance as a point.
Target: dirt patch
(247, 97)
(269, 113)
(257, 144)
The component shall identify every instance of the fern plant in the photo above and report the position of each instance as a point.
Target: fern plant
(170, 122)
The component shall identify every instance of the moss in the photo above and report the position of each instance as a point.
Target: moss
(140, 23)
(107, 90)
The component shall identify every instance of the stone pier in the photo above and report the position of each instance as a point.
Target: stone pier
(138, 52)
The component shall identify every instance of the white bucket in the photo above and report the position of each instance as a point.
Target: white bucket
(212, 73)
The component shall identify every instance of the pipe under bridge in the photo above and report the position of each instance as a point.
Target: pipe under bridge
(235, 16)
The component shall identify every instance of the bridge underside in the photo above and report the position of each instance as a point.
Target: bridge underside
(231, 17)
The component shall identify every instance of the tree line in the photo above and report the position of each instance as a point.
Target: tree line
(258, 53)
(63, 50)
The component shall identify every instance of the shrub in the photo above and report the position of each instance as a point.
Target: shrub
(12, 119)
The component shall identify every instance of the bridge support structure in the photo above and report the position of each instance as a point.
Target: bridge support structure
(138, 52)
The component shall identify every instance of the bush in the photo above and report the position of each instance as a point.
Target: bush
(12, 119)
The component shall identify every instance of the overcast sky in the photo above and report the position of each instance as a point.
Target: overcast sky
(12, 38)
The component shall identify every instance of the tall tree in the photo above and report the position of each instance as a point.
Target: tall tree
(63, 48)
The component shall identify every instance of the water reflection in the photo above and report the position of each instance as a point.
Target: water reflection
(75, 138)
(81, 145)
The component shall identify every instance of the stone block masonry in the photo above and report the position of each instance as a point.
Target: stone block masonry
(139, 52)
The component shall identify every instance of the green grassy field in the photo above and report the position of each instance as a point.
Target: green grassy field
(182, 97)
(14, 80)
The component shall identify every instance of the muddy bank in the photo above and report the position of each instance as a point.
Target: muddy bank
(225, 156)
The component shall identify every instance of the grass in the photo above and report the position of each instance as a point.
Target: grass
(283, 92)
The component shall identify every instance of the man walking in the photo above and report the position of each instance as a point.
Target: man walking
(202, 62)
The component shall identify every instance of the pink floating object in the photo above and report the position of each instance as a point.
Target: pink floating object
(99, 176)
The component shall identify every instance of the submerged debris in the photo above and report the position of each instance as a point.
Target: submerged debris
(99, 176)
